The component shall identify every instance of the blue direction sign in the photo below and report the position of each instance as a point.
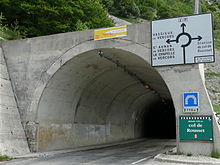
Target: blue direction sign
(190, 102)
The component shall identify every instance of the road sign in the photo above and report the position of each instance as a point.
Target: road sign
(183, 40)
(195, 128)
(113, 32)
(190, 102)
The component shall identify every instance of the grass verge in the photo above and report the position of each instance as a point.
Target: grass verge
(5, 158)
(215, 155)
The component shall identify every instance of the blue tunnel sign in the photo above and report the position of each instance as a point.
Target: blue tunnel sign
(190, 102)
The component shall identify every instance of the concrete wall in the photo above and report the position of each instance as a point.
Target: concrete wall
(90, 101)
(58, 82)
(12, 138)
(188, 79)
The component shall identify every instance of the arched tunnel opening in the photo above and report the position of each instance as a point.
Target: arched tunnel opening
(103, 98)
(159, 122)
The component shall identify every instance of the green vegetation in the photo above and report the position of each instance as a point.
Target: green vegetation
(131, 20)
(217, 42)
(159, 9)
(216, 108)
(149, 9)
(215, 155)
(212, 74)
(7, 33)
(44, 17)
(4, 158)
(30, 18)
(189, 154)
(213, 8)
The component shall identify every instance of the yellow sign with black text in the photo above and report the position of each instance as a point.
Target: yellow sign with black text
(113, 32)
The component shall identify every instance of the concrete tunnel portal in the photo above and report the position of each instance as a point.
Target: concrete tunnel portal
(90, 100)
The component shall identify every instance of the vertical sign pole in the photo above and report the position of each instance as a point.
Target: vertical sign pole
(197, 7)
(201, 66)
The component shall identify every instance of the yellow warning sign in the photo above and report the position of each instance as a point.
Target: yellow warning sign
(113, 32)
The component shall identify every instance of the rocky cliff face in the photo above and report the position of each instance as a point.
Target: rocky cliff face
(212, 75)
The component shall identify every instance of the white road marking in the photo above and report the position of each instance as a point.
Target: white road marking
(141, 160)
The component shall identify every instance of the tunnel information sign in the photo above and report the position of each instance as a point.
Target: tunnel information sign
(183, 40)
(191, 102)
(195, 128)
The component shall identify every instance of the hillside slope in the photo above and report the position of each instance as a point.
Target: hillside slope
(212, 75)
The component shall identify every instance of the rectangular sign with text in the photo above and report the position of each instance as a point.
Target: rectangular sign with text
(195, 128)
(112, 32)
(183, 40)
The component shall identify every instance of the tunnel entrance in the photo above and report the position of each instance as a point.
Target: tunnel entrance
(159, 122)
(103, 97)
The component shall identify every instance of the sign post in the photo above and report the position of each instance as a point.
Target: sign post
(183, 40)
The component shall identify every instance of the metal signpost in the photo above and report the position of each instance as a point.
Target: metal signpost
(196, 128)
(183, 40)
(190, 102)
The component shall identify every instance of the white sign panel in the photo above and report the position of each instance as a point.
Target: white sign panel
(183, 40)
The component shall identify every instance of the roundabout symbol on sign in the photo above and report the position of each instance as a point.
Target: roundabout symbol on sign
(182, 40)
(184, 45)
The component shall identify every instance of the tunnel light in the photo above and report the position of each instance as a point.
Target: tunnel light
(146, 86)
(129, 72)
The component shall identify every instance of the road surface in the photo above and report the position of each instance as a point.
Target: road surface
(136, 153)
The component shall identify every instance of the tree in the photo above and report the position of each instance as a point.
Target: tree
(43, 17)
(8, 33)
(122, 8)
(147, 8)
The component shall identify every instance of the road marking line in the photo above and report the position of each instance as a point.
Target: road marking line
(141, 160)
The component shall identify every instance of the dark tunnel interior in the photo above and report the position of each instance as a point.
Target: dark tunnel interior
(159, 122)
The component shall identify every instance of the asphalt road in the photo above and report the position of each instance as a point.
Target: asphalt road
(137, 153)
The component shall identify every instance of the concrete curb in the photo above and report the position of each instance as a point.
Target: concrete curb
(52, 153)
(186, 159)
